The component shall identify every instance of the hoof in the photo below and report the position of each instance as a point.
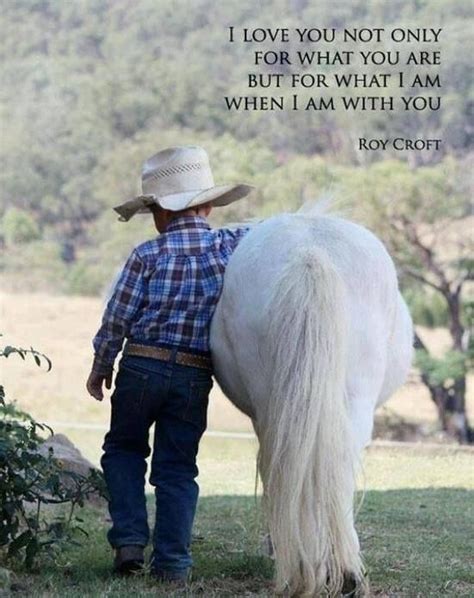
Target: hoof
(353, 588)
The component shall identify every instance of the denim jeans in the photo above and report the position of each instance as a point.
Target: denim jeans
(173, 397)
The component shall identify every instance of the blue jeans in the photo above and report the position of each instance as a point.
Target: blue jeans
(173, 397)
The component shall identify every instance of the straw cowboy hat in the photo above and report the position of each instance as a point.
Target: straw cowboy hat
(178, 178)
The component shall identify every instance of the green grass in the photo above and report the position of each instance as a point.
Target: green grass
(415, 527)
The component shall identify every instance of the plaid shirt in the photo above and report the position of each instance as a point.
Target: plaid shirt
(168, 290)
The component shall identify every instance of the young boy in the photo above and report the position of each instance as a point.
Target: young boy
(162, 304)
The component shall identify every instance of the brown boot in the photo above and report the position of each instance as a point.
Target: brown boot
(128, 559)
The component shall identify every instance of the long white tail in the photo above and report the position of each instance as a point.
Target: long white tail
(306, 459)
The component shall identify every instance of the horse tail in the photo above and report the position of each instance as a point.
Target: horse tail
(306, 458)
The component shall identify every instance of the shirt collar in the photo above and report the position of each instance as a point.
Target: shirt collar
(187, 222)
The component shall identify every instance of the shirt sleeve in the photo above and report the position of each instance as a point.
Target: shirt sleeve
(235, 234)
(122, 308)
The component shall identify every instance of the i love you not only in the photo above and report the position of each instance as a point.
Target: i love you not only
(331, 34)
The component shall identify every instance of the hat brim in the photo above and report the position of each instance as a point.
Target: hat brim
(220, 195)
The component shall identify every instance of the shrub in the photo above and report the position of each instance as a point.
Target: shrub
(85, 279)
(29, 480)
(442, 372)
(19, 226)
(34, 266)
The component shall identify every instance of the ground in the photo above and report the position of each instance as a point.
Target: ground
(415, 526)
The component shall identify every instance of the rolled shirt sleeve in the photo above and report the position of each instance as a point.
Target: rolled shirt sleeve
(122, 308)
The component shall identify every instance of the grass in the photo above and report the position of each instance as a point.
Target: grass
(415, 527)
(416, 542)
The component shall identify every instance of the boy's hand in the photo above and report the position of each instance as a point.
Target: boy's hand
(94, 384)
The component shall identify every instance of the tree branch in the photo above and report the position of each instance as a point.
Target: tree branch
(417, 276)
(427, 257)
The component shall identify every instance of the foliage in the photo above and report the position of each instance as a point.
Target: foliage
(19, 227)
(93, 87)
(426, 308)
(442, 372)
(29, 480)
(35, 266)
(93, 84)
(430, 309)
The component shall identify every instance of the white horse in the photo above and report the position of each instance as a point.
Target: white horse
(309, 336)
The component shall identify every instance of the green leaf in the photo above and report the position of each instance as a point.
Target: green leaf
(452, 366)
(19, 542)
(82, 530)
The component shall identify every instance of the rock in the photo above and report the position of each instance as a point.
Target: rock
(67, 454)
(69, 457)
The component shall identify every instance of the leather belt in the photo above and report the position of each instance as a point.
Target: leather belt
(190, 359)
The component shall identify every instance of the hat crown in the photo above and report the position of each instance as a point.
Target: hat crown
(178, 178)
(177, 170)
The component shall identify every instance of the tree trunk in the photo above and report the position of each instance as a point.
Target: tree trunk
(456, 328)
(450, 403)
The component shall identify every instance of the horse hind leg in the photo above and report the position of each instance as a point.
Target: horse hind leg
(363, 390)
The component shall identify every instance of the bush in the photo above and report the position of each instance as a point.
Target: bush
(35, 266)
(442, 372)
(85, 279)
(19, 226)
(29, 480)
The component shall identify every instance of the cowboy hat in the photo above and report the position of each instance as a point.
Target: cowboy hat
(178, 178)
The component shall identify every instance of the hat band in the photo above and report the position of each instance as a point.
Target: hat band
(159, 174)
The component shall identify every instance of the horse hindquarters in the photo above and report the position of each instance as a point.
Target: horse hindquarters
(307, 458)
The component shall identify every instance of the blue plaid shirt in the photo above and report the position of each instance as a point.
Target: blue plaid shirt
(168, 290)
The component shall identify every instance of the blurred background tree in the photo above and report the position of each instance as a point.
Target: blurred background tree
(424, 217)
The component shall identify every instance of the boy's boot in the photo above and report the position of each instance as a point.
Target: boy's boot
(128, 559)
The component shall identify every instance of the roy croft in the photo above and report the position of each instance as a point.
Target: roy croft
(399, 144)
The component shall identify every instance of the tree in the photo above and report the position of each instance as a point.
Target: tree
(18, 226)
(422, 215)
